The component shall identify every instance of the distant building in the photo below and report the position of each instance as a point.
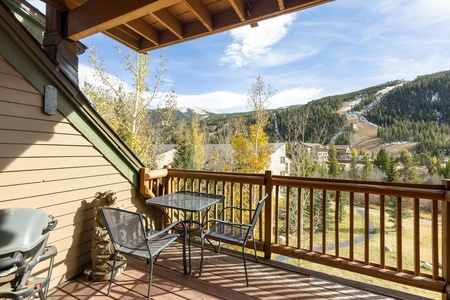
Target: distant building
(319, 152)
(166, 158)
(279, 163)
(343, 152)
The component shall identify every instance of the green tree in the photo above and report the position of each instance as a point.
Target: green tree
(391, 175)
(318, 212)
(446, 172)
(353, 172)
(381, 160)
(126, 107)
(343, 202)
(333, 164)
(367, 169)
(408, 171)
(183, 158)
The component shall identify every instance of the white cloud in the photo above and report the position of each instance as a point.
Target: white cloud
(220, 101)
(85, 74)
(225, 101)
(250, 44)
(294, 96)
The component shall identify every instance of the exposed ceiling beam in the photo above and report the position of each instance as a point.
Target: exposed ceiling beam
(202, 12)
(170, 21)
(81, 21)
(239, 8)
(122, 34)
(144, 29)
(145, 25)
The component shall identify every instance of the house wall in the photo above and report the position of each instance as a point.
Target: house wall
(47, 164)
(278, 166)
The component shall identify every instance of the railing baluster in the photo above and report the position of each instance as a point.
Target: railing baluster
(277, 213)
(435, 239)
(324, 221)
(336, 223)
(288, 212)
(299, 218)
(399, 232)
(382, 231)
(262, 217)
(416, 237)
(232, 191)
(366, 229)
(241, 196)
(352, 226)
(311, 220)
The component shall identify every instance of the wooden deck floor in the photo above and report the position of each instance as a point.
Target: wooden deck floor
(222, 278)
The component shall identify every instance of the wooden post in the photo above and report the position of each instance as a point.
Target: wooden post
(268, 213)
(167, 181)
(445, 239)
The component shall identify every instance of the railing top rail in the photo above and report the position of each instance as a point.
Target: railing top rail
(258, 179)
(279, 178)
(436, 192)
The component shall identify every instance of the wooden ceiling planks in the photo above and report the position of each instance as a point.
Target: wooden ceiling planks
(144, 25)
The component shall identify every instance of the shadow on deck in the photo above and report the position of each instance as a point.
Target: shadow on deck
(222, 278)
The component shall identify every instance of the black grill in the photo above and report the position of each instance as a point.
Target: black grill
(23, 244)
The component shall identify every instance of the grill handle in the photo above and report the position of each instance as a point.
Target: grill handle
(10, 265)
(51, 225)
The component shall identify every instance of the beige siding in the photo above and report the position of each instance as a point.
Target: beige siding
(47, 164)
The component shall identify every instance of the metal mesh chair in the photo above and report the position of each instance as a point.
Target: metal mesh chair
(130, 237)
(235, 233)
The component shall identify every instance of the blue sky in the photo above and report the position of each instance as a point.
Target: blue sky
(335, 48)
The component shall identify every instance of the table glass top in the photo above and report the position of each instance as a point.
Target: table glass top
(186, 200)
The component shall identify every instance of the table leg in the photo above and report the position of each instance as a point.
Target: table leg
(189, 244)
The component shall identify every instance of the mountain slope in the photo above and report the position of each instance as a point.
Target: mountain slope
(413, 115)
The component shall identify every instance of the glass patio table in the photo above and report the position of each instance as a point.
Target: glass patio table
(190, 203)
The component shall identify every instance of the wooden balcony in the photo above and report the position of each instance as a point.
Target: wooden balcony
(366, 242)
(222, 278)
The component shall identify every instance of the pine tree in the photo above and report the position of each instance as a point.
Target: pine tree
(381, 160)
(333, 164)
(408, 171)
(318, 225)
(446, 172)
(367, 169)
(184, 155)
(353, 170)
(391, 175)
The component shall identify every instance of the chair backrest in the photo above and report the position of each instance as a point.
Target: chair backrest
(125, 228)
(258, 210)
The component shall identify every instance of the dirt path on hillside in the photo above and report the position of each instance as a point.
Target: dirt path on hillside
(365, 137)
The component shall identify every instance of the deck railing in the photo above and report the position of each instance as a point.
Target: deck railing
(355, 233)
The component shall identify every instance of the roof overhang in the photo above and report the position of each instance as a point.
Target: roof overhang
(144, 25)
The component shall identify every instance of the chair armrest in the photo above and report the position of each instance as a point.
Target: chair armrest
(238, 208)
(166, 229)
(228, 223)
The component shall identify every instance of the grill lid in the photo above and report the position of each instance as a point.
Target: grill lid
(22, 229)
